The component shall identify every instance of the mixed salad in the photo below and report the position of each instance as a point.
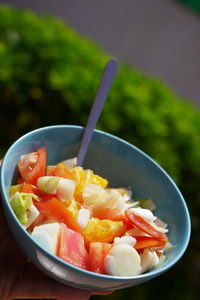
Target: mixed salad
(75, 214)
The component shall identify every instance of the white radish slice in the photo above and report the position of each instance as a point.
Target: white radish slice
(65, 189)
(123, 260)
(83, 217)
(128, 240)
(32, 214)
(143, 213)
(47, 235)
(149, 259)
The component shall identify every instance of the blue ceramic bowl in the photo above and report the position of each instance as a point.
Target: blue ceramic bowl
(123, 165)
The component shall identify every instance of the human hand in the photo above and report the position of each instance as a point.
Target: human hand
(20, 279)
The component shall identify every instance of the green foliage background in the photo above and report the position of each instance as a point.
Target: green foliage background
(193, 4)
(49, 75)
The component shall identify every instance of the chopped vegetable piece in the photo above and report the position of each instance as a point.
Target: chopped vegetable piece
(48, 236)
(60, 170)
(73, 209)
(83, 217)
(85, 177)
(48, 184)
(97, 254)
(144, 242)
(20, 203)
(123, 260)
(109, 214)
(144, 225)
(29, 188)
(149, 259)
(102, 230)
(15, 188)
(32, 215)
(72, 248)
(32, 166)
(57, 210)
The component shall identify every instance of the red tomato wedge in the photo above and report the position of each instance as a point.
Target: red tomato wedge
(33, 165)
(72, 248)
(144, 242)
(54, 209)
(97, 254)
(144, 226)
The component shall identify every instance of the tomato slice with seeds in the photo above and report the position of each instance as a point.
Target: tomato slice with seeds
(33, 165)
(144, 226)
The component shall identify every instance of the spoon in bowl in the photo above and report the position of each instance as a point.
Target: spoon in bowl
(102, 92)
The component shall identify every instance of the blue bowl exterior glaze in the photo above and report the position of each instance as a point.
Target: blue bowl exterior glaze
(123, 165)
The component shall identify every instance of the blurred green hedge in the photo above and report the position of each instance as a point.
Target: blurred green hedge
(49, 75)
(192, 4)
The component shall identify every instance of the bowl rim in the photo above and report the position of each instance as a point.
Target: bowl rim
(150, 274)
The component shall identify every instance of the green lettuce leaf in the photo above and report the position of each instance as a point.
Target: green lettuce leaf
(20, 203)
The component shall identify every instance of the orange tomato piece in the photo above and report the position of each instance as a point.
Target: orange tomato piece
(144, 242)
(144, 226)
(54, 209)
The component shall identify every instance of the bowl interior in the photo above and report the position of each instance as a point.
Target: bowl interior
(121, 163)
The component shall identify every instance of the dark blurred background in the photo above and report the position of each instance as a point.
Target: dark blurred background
(50, 69)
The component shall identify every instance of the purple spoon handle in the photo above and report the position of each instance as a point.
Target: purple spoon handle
(102, 92)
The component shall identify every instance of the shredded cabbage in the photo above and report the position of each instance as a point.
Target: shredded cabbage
(20, 203)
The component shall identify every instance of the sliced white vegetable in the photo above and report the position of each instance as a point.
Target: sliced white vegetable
(65, 189)
(48, 184)
(47, 235)
(94, 195)
(83, 217)
(70, 163)
(131, 204)
(143, 213)
(128, 195)
(115, 199)
(123, 260)
(128, 240)
(158, 228)
(149, 259)
(98, 198)
(32, 214)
